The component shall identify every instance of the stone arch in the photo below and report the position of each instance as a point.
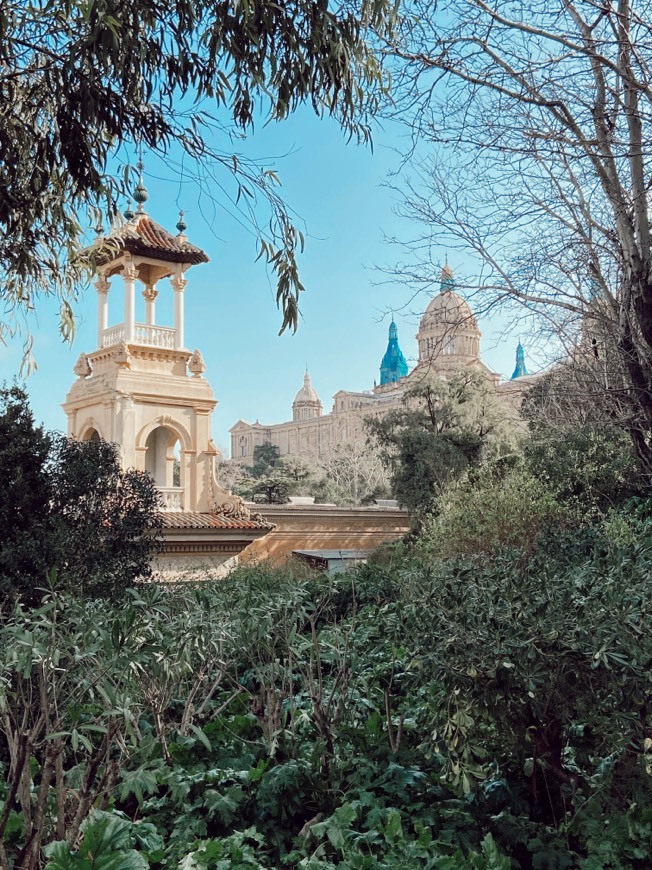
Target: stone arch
(89, 431)
(164, 441)
(168, 423)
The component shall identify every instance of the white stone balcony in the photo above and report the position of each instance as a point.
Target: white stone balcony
(113, 336)
(154, 336)
(144, 334)
(171, 498)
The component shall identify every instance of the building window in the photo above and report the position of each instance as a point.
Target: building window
(450, 347)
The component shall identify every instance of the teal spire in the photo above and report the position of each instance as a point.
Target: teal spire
(520, 369)
(393, 367)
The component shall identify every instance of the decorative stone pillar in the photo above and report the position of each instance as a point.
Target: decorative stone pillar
(149, 295)
(102, 284)
(179, 285)
(129, 275)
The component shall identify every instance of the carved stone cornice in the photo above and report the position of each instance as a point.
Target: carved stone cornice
(123, 356)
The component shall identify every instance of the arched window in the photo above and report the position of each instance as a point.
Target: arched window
(163, 457)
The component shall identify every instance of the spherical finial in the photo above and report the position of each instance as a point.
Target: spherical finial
(140, 194)
(182, 226)
(99, 229)
(129, 213)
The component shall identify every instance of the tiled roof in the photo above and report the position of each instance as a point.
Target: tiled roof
(188, 520)
(142, 235)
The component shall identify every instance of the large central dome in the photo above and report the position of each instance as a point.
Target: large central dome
(448, 332)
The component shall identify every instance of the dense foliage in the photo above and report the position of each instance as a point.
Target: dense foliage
(71, 517)
(478, 696)
(271, 480)
(350, 473)
(416, 713)
(444, 427)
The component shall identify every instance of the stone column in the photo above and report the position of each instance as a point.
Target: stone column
(102, 284)
(129, 275)
(179, 285)
(149, 294)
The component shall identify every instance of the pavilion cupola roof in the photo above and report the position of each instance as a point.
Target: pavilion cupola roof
(141, 236)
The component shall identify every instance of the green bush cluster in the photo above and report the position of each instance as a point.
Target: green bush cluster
(71, 517)
(559, 481)
(415, 713)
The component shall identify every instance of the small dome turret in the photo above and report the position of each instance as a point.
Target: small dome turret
(447, 278)
(307, 403)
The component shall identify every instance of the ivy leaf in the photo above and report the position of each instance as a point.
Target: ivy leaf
(495, 861)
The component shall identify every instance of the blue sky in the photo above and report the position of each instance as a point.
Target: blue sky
(337, 192)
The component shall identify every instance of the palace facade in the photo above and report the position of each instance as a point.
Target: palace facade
(448, 340)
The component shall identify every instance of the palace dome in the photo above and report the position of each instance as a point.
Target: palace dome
(448, 331)
(447, 307)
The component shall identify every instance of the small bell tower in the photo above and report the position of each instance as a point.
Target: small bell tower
(142, 388)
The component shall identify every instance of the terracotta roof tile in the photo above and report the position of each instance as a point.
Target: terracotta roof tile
(188, 520)
(142, 235)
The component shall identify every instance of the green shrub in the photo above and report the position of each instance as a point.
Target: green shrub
(415, 712)
(590, 469)
(489, 511)
(72, 518)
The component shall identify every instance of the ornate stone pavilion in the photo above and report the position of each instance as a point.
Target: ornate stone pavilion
(144, 390)
(448, 340)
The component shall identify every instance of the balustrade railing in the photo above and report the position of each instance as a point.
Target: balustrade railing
(171, 498)
(113, 336)
(154, 336)
(150, 336)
